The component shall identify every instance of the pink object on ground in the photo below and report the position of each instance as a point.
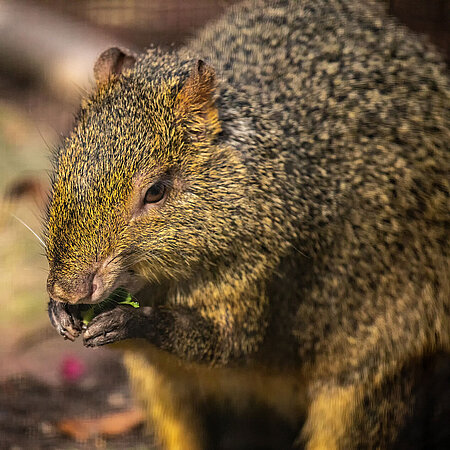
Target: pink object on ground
(72, 369)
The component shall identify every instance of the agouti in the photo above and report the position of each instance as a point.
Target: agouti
(276, 195)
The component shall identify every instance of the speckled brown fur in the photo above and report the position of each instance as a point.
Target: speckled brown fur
(301, 257)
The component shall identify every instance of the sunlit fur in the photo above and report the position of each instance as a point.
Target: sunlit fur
(306, 218)
(135, 139)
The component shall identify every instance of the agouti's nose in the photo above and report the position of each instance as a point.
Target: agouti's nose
(86, 290)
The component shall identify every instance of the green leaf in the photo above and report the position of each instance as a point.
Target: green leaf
(118, 297)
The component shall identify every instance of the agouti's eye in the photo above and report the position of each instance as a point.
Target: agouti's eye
(155, 193)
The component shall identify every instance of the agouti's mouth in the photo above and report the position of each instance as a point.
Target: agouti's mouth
(119, 296)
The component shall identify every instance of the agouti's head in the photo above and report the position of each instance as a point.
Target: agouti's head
(141, 189)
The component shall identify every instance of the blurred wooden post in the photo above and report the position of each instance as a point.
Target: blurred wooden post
(37, 43)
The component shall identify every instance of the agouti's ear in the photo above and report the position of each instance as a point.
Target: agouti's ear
(112, 62)
(195, 101)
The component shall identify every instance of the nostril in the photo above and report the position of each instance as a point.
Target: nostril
(96, 287)
(91, 283)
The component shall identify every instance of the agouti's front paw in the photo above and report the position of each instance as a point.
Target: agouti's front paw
(65, 318)
(122, 322)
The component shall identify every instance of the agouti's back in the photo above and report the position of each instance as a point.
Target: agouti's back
(344, 117)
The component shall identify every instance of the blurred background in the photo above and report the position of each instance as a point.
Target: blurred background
(54, 393)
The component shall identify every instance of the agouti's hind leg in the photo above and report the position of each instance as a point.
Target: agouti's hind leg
(328, 418)
(408, 409)
(353, 417)
(166, 403)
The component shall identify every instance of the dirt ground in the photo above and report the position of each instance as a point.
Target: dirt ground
(32, 410)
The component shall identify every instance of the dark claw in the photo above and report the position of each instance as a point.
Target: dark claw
(65, 319)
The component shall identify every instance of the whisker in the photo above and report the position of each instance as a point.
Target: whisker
(148, 258)
(137, 261)
(115, 257)
(30, 229)
(299, 251)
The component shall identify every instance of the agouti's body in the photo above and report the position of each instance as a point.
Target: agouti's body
(289, 211)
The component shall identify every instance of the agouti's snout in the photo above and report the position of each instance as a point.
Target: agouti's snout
(88, 288)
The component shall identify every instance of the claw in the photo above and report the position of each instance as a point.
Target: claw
(66, 335)
(66, 324)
